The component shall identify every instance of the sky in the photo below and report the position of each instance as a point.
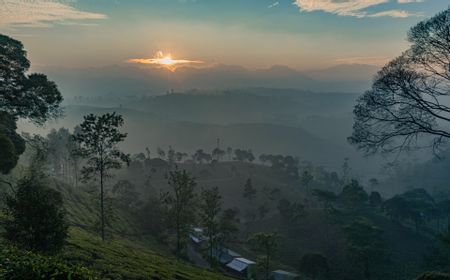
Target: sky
(302, 34)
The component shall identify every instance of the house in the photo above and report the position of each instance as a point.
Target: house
(283, 275)
(224, 255)
(243, 268)
(196, 235)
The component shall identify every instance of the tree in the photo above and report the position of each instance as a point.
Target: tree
(126, 194)
(249, 190)
(291, 212)
(210, 208)
(228, 226)
(25, 96)
(180, 204)
(407, 100)
(315, 266)
(218, 154)
(200, 156)
(375, 199)
(267, 244)
(35, 217)
(31, 97)
(326, 197)
(353, 195)
(306, 180)
(365, 245)
(98, 139)
(8, 155)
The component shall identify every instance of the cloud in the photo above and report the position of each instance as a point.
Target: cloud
(42, 13)
(369, 60)
(394, 13)
(355, 8)
(273, 5)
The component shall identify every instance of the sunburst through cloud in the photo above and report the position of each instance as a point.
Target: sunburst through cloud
(165, 61)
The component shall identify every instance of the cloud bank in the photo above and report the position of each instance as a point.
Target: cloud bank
(42, 13)
(355, 8)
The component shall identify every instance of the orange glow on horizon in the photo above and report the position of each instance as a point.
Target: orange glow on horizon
(165, 61)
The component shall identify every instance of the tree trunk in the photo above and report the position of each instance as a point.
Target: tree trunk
(267, 266)
(102, 205)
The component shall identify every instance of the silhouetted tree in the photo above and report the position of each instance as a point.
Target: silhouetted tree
(98, 139)
(353, 195)
(35, 216)
(408, 96)
(306, 180)
(126, 194)
(327, 197)
(375, 199)
(22, 95)
(267, 244)
(365, 245)
(249, 190)
(180, 204)
(209, 211)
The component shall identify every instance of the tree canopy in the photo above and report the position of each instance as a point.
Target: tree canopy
(407, 106)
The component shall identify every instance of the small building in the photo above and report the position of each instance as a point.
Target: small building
(243, 268)
(283, 275)
(196, 235)
(224, 255)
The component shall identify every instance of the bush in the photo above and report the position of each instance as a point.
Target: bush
(35, 217)
(434, 276)
(21, 265)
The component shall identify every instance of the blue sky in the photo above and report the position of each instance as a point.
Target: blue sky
(303, 34)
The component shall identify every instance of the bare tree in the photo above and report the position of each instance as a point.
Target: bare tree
(409, 98)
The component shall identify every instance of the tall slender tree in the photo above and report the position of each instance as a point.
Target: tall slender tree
(98, 138)
(210, 208)
(267, 244)
(179, 202)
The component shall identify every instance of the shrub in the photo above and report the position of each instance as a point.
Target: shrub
(22, 265)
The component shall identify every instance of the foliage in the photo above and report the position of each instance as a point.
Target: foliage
(365, 245)
(326, 197)
(98, 139)
(267, 244)
(375, 199)
(126, 194)
(25, 96)
(249, 190)
(353, 195)
(179, 202)
(243, 155)
(291, 212)
(36, 218)
(21, 96)
(209, 210)
(228, 225)
(407, 99)
(8, 155)
(21, 265)
(121, 258)
(314, 265)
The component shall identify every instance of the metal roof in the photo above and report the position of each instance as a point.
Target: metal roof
(239, 264)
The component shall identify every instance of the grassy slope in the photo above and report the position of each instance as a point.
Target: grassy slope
(123, 255)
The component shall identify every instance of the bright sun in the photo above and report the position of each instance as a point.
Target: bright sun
(166, 60)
